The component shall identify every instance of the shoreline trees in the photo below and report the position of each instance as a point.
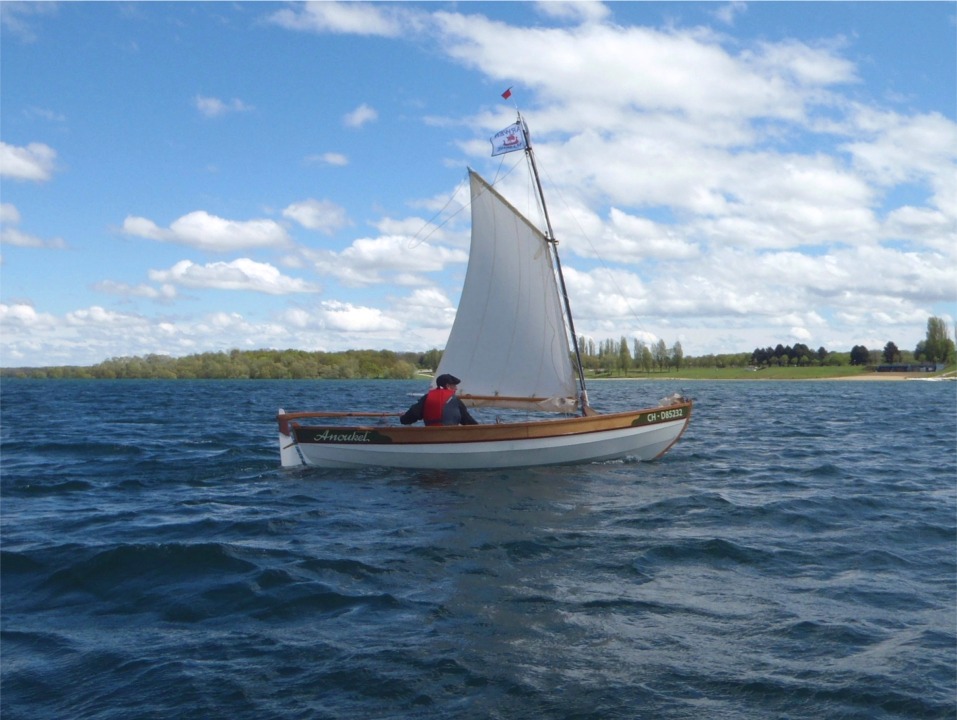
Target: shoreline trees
(606, 358)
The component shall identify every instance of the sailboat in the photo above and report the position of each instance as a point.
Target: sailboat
(513, 343)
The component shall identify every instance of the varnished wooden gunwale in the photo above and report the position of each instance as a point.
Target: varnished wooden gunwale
(420, 435)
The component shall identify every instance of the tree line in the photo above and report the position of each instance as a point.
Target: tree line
(607, 357)
(621, 356)
(242, 365)
(936, 347)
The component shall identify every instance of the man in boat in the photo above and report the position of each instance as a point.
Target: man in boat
(439, 406)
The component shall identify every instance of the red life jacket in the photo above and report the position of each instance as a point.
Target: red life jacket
(434, 403)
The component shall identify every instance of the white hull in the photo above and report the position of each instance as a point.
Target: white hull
(575, 441)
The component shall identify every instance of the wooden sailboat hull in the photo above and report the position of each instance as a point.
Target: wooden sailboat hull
(643, 434)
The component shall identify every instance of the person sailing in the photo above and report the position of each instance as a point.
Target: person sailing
(439, 406)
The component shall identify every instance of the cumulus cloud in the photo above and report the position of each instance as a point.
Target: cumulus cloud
(431, 307)
(214, 107)
(322, 215)
(44, 114)
(89, 335)
(20, 18)
(356, 18)
(10, 235)
(727, 12)
(360, 116)
(329, 158)
(345, 317)
(23, 315)
(897, 148)
(9, 214)
(163, 293)
(369, 260)
(97, 316)
(208, 232)
(634, 237)
(343, 320)
(35, 162)
(13, 236)
(241, 274)
(574, 10)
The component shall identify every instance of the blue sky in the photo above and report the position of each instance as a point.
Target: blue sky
(190, 177)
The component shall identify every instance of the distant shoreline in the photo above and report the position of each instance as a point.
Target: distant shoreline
(879, 377)
(862, 377)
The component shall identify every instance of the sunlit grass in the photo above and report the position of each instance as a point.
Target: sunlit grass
(826, 372)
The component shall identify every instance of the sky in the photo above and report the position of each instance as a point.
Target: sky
(183, 177)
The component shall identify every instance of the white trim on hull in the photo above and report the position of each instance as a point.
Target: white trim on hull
(644, 442)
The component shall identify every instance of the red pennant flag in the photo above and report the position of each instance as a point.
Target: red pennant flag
(507, 94)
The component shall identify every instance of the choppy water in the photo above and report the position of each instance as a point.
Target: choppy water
(794, 556)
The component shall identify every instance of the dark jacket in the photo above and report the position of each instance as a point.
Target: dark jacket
(454, 412)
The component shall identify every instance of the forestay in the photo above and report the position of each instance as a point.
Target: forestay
(508, 342)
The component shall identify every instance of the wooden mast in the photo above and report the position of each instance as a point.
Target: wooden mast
(550, 237)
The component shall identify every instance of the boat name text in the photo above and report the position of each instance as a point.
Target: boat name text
(343, 437)
(663, 415)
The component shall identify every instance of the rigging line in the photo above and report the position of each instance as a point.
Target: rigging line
(418, 239)
(498, 173)
(598, 256)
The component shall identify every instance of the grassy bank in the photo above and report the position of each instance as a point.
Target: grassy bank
(838, 372)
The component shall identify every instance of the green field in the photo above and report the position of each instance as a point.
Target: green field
(771, 373)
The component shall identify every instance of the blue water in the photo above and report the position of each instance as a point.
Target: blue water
(794, 556)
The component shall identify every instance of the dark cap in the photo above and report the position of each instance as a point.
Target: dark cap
(445, 380)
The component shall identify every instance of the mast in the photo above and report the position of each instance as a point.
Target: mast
(550, 237)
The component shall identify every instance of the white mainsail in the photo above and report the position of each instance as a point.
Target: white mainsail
(509, 338)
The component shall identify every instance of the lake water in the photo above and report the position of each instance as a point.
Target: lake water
(794, 556)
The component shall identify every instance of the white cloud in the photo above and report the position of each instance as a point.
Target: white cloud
(319, 325)
(360, 116)
(96, 316)
(430, 307)
(614, 68)
(417, 231)
(44, 114)
(726, 13)
(803, 64)
(214, 107)
(34, 162)
(931, 229)
(356, 18)
(163, 293)
(630, 237)
(9, 216)
(329, 158)
(24, 316)
(89, 335)
(207, 232)
(322, 215)
(13, 236)
(345, 317)
(573, 10)
(368, 260)
(242, 274)
(19, 17)
(899, 148)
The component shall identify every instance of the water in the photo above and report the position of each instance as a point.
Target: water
(792, 557)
